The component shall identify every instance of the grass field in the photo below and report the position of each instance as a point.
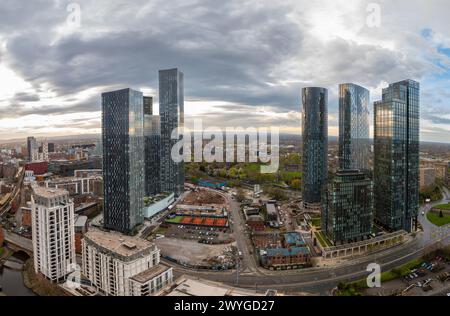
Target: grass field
(443, 207)
(323, 239)
(356, 288)
(316, 222)
(438, 221)
(175, 220)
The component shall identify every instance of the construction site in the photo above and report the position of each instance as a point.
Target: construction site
(200, 223)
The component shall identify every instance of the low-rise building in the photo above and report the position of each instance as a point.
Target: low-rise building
(119, 265)
(291, 252)
(256, 223)
(81, 228)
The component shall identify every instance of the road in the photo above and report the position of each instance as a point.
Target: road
(20, 241)
(318, 281)
(248, 263)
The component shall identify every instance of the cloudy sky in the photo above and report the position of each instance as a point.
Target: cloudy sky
(244, 61)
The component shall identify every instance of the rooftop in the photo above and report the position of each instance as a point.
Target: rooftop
(151, 273)
(294, 239)
(122, 245)
(81, 221)
(49, 192)
(202, 288)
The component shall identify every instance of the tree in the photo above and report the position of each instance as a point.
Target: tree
(296, 184)
(441, 214)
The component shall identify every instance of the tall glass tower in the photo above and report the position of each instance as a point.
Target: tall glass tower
(152, 135)
(348, 207)
(171, 108)
(354, 127)
(396, 165)
(123, 159)
(315, 145)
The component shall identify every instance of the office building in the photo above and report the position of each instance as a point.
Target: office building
(119, 265)
(315, 145)
(152, 135)
(53, 233)
(171, 108)
(33, 149)
(354, 127)
(123, 159)
(51, 147)
(347, 214)
(396, 161)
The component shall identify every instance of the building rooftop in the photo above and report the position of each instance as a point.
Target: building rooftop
(124, 246)
(187, 286)
(294, 239)
(151, 273)
(81, 221)
(271, 209)
(49, 192)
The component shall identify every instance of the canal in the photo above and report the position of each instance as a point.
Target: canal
(11, 281)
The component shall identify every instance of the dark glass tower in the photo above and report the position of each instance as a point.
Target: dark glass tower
(396, 165)
(152, 135)
(315, 145)
(354, 127)
(123, 159)
(171, 108)
(347, 214)
(31, 145)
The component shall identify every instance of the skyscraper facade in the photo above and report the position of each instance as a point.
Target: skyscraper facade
(123, 159)
(152, 135)
(347, 214)
(315, 145)
(32, 147)
(53, 223)
(171, 108)
(396, 163)
(354, 127)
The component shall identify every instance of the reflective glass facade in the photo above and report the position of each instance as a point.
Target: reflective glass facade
(152, 134)
(171, 110)
(315, 143)
(123, 159)
(347, 214)
(396, 163)
(354, 127)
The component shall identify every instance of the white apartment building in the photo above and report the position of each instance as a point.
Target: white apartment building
(119, 265)
(53, 222)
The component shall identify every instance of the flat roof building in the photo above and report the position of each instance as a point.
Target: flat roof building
(120, 265)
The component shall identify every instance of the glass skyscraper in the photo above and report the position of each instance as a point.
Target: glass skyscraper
(354, 127)
(315, 145)
(123, 159)
(396, 163)
(171, 108)
(152, 135)
(347, 213)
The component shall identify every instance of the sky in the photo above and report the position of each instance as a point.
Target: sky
(244, 61)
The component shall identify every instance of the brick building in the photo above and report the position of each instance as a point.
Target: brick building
(39, 168)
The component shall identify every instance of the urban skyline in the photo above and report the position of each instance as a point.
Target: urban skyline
(352, 200)
(267, 84)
